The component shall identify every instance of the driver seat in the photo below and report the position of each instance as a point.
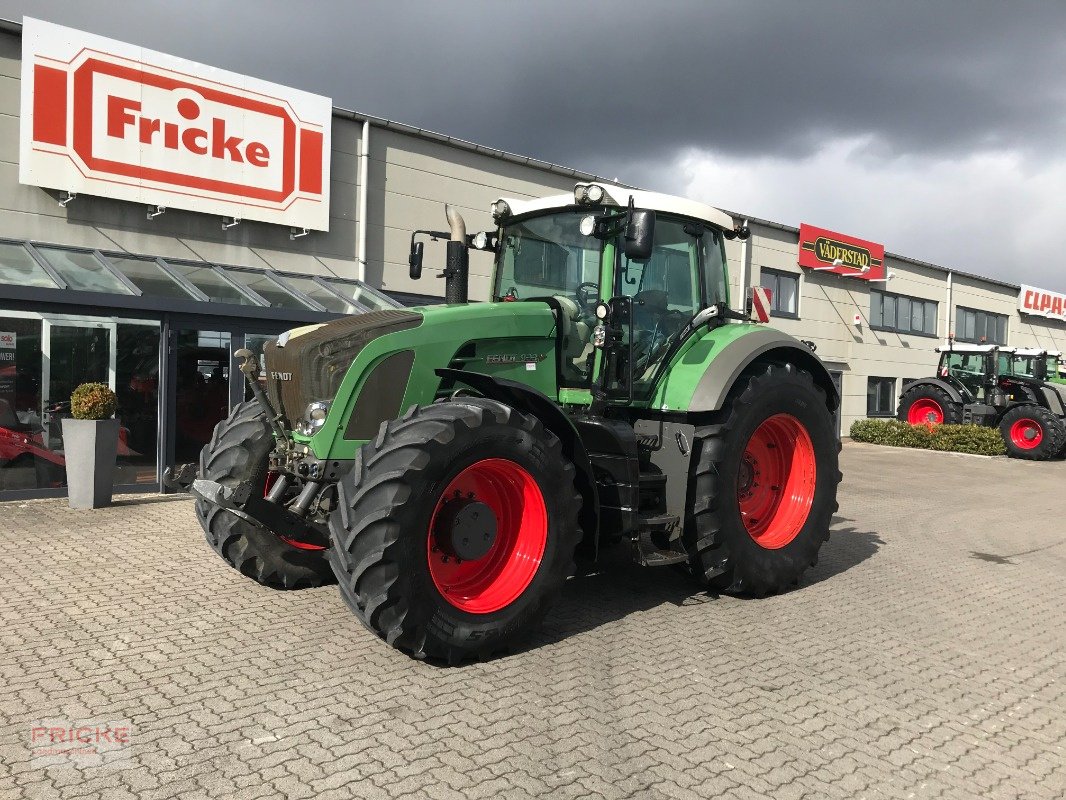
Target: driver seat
(575, 333)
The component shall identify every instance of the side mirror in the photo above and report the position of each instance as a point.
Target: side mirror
(415, 260)
(640, 233)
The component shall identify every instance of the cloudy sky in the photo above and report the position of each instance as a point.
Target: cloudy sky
(938, 128)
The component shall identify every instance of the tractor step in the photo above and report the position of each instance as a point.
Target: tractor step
(661, 523)
(647, 549)
(652, 480)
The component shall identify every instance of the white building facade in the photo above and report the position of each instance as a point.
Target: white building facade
(150, 293)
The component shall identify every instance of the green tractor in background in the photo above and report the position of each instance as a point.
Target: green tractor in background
(1041, 364)
(448, 464)
(993, 386)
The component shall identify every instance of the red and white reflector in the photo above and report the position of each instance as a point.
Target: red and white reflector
(759, 301)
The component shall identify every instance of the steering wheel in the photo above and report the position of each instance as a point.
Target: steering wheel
(659, 342)
(581, 293)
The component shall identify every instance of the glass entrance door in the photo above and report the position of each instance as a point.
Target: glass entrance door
(202, 385)
(75, 352)
(204, 382)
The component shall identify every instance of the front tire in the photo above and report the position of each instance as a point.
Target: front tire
(238, 452)
(1032, 432)
(400, 531)
(763, 485)
(928, 405)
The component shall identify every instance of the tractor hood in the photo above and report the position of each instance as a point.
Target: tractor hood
(308, 364)
(370, 367)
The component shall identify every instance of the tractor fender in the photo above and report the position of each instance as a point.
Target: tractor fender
(741, 353)
(944, 386)
(531, 401)
(1053, 398)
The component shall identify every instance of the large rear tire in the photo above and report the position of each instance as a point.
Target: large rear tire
(762, 489)
(416, 496)
(1032, 432)
(238, 452)
(926, 404)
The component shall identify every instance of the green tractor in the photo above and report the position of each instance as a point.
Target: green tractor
(448, 465)
(1040, 364)
(993, 386)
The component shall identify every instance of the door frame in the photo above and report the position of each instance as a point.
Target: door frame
(50, 321)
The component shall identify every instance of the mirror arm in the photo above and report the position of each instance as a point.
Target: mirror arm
(414, 259)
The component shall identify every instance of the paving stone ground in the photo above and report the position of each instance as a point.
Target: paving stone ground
(922, 658)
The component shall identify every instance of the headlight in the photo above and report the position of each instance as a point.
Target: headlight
(314, 417)
(500, 210)
(588, 193)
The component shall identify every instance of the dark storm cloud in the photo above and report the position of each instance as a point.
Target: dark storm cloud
(616, 85)
(880, 117)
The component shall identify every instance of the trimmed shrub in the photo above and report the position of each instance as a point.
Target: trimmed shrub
(92, 401)
(950, 438)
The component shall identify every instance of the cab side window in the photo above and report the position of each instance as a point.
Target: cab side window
(666, 294)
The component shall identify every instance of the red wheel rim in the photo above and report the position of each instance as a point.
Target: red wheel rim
(775, 487)
(498, 578)
(1026, 434)
(925, 411)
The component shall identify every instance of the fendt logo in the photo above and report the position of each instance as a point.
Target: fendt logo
(115, 120)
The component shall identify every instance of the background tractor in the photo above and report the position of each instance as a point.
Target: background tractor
(447, 464)
(1035, 362)
(982, 384)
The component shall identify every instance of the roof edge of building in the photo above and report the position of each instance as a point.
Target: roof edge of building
(11, 26)
(463, 144)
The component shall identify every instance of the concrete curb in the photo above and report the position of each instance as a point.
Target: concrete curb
(852, 443)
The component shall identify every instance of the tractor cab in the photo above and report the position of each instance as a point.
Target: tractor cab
(1036, 363)
(625, 273)
(976, 370)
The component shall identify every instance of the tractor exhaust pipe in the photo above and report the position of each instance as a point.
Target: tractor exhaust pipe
(457, 266)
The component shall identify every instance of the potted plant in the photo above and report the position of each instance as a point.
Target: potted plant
(90, 445)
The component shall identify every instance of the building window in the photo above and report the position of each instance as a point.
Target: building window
(980, 327)
(784, 291)
(895, 312)
(880, 397)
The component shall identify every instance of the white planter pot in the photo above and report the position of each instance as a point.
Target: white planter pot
(90, 447)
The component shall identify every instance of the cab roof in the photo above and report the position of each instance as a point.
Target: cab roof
(962, 347)
(1036, 351)
(619, 196)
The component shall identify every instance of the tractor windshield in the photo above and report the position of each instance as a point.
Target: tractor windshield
(548, 255)
(1025, 366)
